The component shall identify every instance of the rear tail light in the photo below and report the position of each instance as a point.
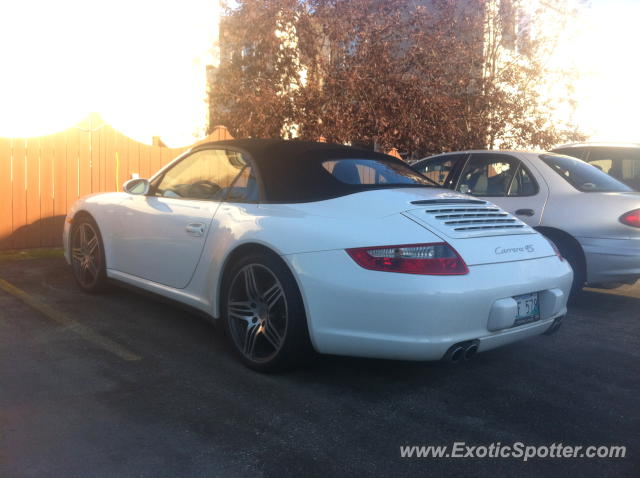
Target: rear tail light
(429, 259)
(632, 218)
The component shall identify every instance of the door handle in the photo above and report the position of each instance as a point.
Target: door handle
(195, 229)
(525, 212)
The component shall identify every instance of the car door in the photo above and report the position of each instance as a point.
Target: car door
(161, 236)
(507, 181)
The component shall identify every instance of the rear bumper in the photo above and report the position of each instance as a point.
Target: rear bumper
(611, 260)
(353, 311)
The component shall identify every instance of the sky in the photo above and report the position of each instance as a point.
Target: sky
(141, 65)
(608, 90)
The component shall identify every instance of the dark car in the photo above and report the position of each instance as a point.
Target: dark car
(622, 161)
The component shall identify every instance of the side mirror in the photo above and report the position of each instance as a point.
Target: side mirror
(137, 186)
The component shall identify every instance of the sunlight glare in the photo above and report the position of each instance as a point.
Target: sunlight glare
(608, 96)
(141, 64)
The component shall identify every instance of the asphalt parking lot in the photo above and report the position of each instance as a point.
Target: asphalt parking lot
(122, 384)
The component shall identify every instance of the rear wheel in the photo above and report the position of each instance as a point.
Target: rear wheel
(263, 313)
(87, 254)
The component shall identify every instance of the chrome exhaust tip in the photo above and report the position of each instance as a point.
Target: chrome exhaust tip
(555, 325)
(461, 351)
(470, 351)
(456, 354)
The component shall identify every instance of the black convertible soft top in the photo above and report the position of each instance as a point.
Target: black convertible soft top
(292, 171)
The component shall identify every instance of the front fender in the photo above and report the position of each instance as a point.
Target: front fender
(104, 208)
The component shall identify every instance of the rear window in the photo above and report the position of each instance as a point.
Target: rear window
(580, 153)
(582, 176)
(374, 172)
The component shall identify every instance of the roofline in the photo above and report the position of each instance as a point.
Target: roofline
(599, 143)
(500, 151)
(238, 145)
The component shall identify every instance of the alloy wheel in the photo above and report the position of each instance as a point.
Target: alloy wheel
(257, 313)
(85, 254)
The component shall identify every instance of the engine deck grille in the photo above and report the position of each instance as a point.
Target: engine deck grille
(475, 218)
(462, 219)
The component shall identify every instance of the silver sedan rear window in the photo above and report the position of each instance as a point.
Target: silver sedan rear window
(583, 176)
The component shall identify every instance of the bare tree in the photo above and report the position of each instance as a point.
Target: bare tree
(422, 76)
(251, 90)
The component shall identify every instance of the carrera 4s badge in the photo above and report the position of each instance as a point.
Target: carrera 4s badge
(513, 250)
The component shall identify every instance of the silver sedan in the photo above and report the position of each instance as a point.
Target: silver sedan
(591, 217)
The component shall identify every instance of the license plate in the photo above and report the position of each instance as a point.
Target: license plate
(528, 308)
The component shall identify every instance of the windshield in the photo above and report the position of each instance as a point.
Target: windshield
(583, 176)
(375, 172)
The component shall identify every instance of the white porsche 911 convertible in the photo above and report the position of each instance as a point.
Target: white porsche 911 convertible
(296, 245)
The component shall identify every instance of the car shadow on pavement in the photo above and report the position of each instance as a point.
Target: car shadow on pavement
(607, 301)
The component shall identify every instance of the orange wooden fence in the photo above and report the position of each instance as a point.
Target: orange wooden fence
(41, 177)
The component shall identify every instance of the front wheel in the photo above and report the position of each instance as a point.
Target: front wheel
(87, 254)
(264, 315)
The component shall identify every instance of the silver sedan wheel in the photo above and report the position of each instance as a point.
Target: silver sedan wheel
(86, 256)
(257, 313)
